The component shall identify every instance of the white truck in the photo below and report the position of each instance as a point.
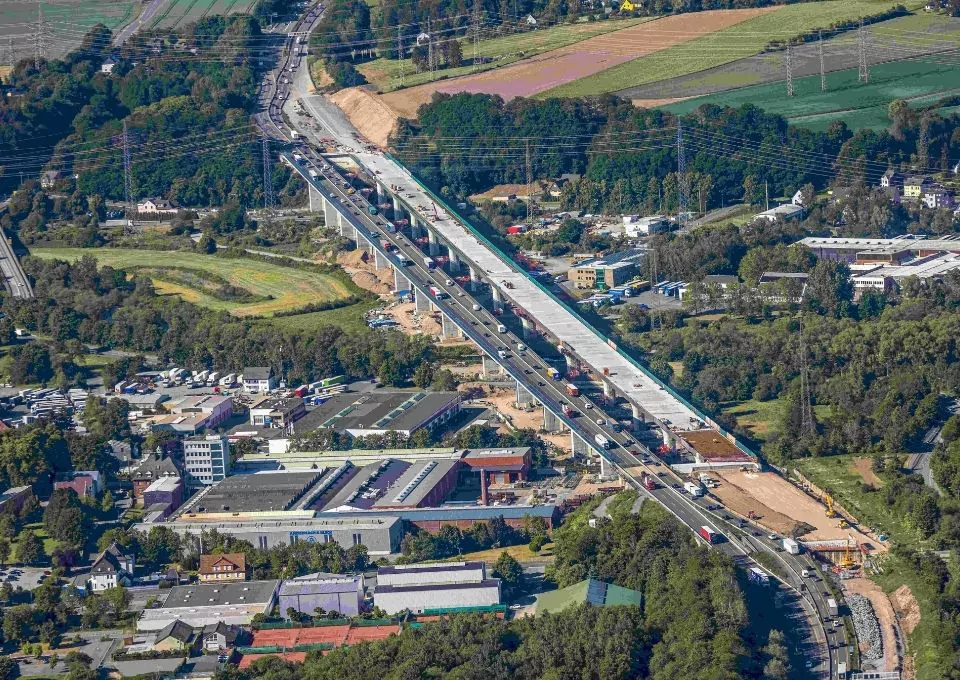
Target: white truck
(791, 546)
(832, 607)
(694, 490)
(602, 441)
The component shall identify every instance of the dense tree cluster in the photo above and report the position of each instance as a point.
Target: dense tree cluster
(105, 307)
(466, 143)
(187, 118)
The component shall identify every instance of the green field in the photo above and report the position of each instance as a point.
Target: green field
(384, 74)
(182, 12)
(725, 46)
(920, 81)
(66, 20)
(285, 288)
(350, 318)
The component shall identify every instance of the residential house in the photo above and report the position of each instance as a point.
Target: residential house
(257, 379)
(122, 451)
(219, 637)
(49, 179)
(914, 187)
(112, 568)
(156, 206)
(85, 483)
(797, 199)
(13, 498)
(176, 636)
(938, 196)
(223, 567)
(891, 178)
(531, 21)
(150, 470)
(107, 66)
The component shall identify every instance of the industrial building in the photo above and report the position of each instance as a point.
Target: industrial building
(380, 533)
(380, 412)
(261, 492)
(201, 605)
(896, 250)
(418, 587)
(503, 466)
(607, 272)
(329, 592)
(786, 212)
(216, 408)
(635, 226)
(163, 496)
(312, 460)
(889, 278)
(277, 412)
(393, 484)
(589, 591)
(462, 517)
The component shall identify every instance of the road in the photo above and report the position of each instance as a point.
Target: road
(15, 281)
(148, 12)
(496, 336)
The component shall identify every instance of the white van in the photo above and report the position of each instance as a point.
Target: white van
(521, 347)
(501, 354)
(501, 328)
(476, 307)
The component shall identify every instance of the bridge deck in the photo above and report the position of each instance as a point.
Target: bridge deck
(628, 380)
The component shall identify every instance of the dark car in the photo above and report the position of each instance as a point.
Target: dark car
(527, 371)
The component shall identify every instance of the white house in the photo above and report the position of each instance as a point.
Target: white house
(156, 206)
(257, 379)
(112, 568)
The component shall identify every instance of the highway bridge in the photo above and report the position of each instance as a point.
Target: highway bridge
(481, 290)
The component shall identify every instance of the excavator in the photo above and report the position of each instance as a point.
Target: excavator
(828, 499)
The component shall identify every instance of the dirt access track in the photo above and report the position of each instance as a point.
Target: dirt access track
(573, 62)
(781, 505)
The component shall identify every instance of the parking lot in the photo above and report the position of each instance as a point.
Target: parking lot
(27, 578)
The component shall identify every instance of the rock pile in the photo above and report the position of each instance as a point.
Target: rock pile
(867, 626)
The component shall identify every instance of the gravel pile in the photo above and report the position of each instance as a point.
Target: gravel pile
(867, 627)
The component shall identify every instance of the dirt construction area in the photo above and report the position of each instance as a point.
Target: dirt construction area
(580, 60)
(885, 615)
(781, 505)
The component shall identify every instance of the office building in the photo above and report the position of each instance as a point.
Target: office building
(607, 272)
(206, 460)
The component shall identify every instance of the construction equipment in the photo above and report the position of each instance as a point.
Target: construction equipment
(847, 562)
(828, 499)
(843, 524)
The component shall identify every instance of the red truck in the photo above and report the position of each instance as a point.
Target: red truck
(386, 245)
(567, 411)
(708, 534)
(572, 390)
(648, 483)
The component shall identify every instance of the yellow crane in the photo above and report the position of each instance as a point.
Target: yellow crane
(847, 560)
(627, 6)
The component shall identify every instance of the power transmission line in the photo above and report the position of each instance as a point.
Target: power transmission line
(823, 75)
(400, 53)
(127, 177)
(529, 173)
(806, 404)
(39, 38)
(268, 199)
(864, 69)
(788, 63)
(681, 176)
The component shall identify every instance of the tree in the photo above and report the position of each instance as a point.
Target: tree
(118, 599)
(453, 53)
(206, 244)
(18, 623)
(4, 550)
(31, 364)
(509, 571)
(829, 290)
(30, 549)
(66, 518)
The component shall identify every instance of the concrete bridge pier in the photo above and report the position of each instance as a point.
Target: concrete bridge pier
(330, 214)
(528, 329)
(608, 390)
(400, 282)
(523, 395)
(316, 200)
(579, 446)
(380, 261)
(414, 227)
(454, 261)
(397, 210)
(474, 279)
(434, 243)
(448, 328)
(551, 423)
(497, 297)
(423, 302)
(637, 416)
(668, 439)
(489, 366)
(606, 469)
(381, 192)
(347, 230)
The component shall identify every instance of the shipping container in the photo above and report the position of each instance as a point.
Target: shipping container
(572, 390)
(832, 608)
(708, 534)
